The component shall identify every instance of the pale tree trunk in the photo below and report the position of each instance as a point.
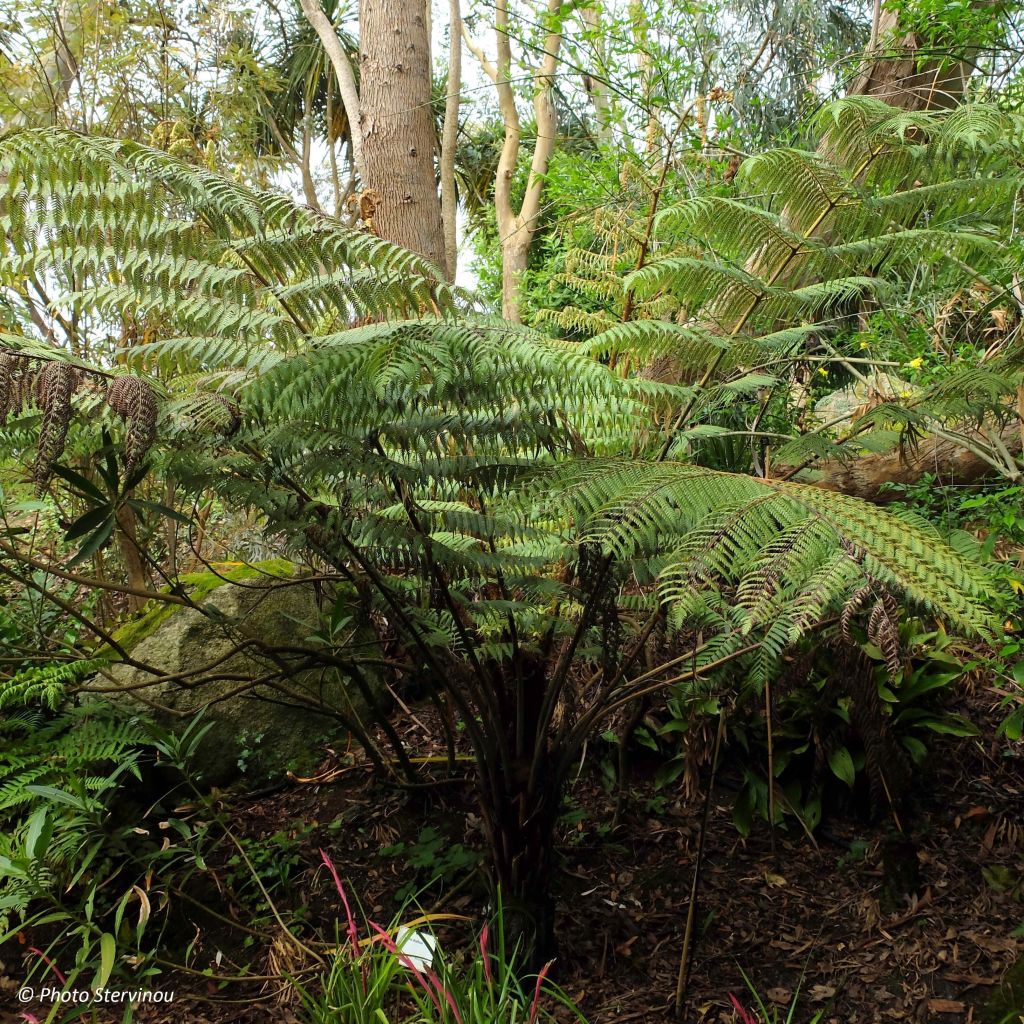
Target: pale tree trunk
(345, 75)
(642, 40)
(131, 554)
(597, 85)
(515, 254)
(516, 230)
(61, 71)
(397, 126)
(949, 461)
(308, 187)
(301, 161)
(449, 140)
(893, 72)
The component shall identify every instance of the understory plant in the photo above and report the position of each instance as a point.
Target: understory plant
(769, 1013)
(523, 521)
(403, 973)
(84, 859)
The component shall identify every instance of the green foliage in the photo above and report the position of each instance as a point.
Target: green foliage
(825, 727)
(984, 521)
(403, 974)
(267, 864)
(517, 516)
(949, 32)
(60, 782)
(45, 685)
(433, 858)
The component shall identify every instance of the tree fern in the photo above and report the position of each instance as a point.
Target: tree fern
(492, 494)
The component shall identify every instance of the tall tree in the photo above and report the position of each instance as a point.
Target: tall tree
(398, 126)
(450, 138)
(919, 65)
(516, 229)
(390, 112)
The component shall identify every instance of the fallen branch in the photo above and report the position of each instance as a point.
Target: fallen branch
(948, 461)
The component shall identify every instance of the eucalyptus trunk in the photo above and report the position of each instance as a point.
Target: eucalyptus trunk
(397, 126)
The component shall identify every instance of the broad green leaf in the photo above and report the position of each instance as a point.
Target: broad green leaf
(108, 947)
(37, 836)
(841, 763)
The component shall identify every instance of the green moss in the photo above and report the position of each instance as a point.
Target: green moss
(198, 585)
(1007, 1005)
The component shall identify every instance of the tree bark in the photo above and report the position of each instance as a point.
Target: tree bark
(951, 463)
(450, 138)
(397, 125)
(345, 75)
(135, 566)
(515, 255)
(596, 84)
(893, 73)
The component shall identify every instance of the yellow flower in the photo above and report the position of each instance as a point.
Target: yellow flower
(916, 363)
(823, 371)
(906, 394)
(864, 345)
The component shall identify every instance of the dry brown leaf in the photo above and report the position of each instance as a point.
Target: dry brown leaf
(945, 1006)
(819, 993)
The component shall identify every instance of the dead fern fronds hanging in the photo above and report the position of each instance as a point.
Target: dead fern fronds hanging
(133, 400)
(884, 633)
(8, 384)
(58, 382)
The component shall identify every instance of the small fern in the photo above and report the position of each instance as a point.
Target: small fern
(45, 685)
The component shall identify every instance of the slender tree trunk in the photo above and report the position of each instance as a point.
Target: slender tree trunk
(515, 254)
(308, 187)
(516, 230)
(345, 75)
(449, 140)
(397, 126)
(135, 566)
(597, 85)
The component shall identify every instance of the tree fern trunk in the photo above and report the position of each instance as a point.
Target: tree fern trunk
(523, 844)
(521, 811)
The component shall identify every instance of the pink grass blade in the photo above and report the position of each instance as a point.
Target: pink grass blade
(535, 1005)
(49, 963)
(485, 956)
(353, 932)
(392, 947)
(745, 1016)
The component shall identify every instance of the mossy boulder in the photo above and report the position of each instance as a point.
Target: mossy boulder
(255, 731)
